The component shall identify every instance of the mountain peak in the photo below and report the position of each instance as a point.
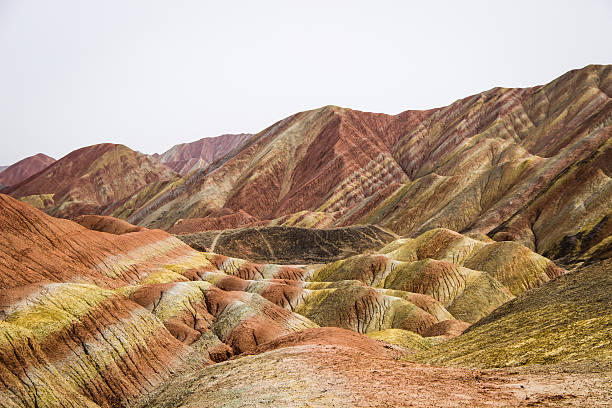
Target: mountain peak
(187, 157)
(90, 177)
(25, 168)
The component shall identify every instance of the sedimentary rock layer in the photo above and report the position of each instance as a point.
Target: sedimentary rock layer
(530, 165)
(523, 164)
(97, 318)
(39, 248)
(470, 278)
(297, 162)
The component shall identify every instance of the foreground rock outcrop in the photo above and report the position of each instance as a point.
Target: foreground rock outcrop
(90, 318)
(317, 374)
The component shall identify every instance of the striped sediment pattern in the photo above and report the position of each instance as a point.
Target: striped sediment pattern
(98, 318)
(470, 278)
(106, 347)
(529, 165)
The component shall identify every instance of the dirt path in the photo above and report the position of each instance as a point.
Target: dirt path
(214, 243)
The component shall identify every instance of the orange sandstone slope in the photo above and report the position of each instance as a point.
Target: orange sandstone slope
(25, 168)
(92, 318)
(526, 164)
(36, 248)
(89, 179)
(68, 339)
(187, 157)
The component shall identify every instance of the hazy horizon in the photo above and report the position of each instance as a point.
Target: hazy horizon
(152, 74)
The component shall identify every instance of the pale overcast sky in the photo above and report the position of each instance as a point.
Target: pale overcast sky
(151, 74)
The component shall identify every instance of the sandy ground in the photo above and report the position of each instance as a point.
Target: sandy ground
(338, 376)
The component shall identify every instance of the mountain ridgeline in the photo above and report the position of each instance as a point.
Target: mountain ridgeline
(531, 165)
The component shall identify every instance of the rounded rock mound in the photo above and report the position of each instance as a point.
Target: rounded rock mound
(103, 223)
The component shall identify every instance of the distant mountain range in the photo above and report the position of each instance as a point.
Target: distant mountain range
(90, 179)
(187, 157)
(525, 164)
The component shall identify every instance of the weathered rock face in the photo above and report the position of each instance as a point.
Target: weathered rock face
(46, 249)
(300, 163)
(89, 179)
(106, 347)
(32, 380)
(530, 165)
(293, 245)
(487, 164)
(187, 157)
(581, 194)
(16, 173)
